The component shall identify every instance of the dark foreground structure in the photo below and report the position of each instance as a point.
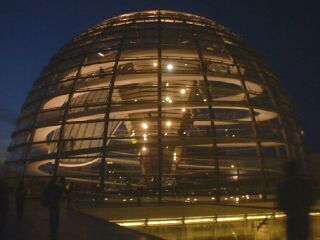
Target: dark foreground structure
(162, 105)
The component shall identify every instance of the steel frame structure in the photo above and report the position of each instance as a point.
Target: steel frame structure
(162, 103)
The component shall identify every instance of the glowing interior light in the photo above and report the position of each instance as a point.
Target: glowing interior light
(155, 64)
(100, 54)
(213, 198)
(183, 109)
(168, 99)
(204, 100)
(169, 66)
(167, 84)
(232, 166)
(136, 100)
(144, 149)
(164, 222)
(256, 217)
(229, 219)
(168, 123)
(184, 133)
(144, 135)
(182, 91)
(144, 125)
(145, 139)
(131, 224)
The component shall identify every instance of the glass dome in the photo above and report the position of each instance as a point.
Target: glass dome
(160, 103)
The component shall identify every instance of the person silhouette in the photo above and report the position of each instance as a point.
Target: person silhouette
(51, 199)
(295, 198)
(4, 204)
(20, 196)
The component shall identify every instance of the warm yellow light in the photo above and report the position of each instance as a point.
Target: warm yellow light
(164, 222)
(168, 123)
(183, 109)
(199, 220)
(279, 215)
(155, 64)
(144, 125)
(229, 219)
(100, 54)
(144, 149)
(204, 100)
(131, 224)
(182, 91)
(256, 217)
(232, 166)
(169, 66)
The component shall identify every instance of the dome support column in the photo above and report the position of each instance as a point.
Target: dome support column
(64, 120)
(159, 119)
(253, 125)
(104, 148)
(212, 131)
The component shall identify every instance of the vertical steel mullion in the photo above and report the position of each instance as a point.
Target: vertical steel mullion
(107, 114)
(285, 132)
(214, 148)
(63, 120)
(159, 118)
(274, 104)
(253, 123)
(251, 112)
(33, 130)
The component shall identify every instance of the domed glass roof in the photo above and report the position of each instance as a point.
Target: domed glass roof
(160, 103)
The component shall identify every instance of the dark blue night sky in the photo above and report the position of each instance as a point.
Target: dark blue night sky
(286, 33)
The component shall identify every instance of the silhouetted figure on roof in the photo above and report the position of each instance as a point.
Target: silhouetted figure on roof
(20, 196)
(51, 199)
(4, 204)
(295, 198)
